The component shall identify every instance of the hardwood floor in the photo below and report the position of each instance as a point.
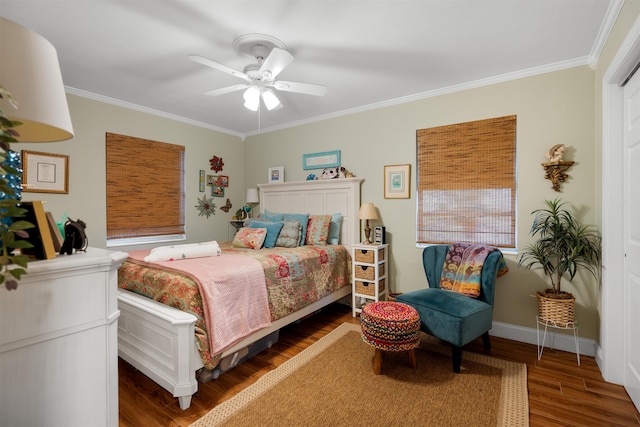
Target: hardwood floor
(560, 392)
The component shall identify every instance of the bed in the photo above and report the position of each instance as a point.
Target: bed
(166, 344)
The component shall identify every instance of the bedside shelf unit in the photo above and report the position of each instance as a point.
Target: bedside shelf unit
(369, 275)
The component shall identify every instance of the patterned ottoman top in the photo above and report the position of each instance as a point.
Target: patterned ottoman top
(391, 311)
(390, 326)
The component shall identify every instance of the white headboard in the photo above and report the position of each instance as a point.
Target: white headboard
(340, 195)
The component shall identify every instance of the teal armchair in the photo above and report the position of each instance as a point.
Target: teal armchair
(450, 316)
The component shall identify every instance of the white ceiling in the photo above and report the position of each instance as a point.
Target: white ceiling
(368, 53)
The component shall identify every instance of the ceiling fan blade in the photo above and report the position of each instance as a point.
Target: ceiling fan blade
(228, 89)
(219, 67)
(277, 60)
(305, 88)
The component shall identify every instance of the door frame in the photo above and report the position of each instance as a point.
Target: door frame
(611, 352)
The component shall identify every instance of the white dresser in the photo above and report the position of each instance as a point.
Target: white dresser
(59, 343)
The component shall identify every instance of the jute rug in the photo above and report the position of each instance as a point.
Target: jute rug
(332, 383)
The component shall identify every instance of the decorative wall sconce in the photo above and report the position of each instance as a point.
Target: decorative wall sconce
(555, 168)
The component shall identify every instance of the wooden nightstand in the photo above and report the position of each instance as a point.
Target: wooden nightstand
(369, 275)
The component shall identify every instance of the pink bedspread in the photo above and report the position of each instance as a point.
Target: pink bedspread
(233, 290)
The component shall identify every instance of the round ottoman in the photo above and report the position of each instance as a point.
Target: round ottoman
(390, 326)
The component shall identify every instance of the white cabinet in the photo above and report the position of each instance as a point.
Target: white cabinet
(369, 275)
(59, 343)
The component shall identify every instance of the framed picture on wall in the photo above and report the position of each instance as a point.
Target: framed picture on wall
(397, 180)
(379, 235)
(276, 174)
(45, 172)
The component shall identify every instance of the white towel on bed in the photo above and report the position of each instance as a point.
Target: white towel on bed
(186, 251)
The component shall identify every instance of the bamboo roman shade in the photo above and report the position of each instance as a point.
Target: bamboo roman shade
(145, 190)
(467, 182)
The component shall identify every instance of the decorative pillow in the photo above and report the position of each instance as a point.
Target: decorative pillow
(318, 229)
(303, 219)
(273, 230)
(178, 252)
(289, 235)
(270, 216)
(251, 238)
(334, 229)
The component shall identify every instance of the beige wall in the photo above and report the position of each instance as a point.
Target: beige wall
(551, 108)
(87, 189)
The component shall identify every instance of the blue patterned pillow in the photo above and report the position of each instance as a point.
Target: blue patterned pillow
(273, 230)
(289, 235)
(304, 220)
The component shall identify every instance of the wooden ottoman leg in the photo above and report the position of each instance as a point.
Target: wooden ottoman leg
(412, 358)
(377, 362)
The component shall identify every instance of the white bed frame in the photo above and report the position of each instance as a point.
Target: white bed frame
(159, 340)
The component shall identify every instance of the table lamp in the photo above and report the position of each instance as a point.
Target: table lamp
(367, 212)
(30, 72)
(252, 198)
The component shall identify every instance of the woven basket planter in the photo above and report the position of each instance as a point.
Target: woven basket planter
(556, 311)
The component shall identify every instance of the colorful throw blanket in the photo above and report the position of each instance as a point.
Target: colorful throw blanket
(462, 269)
(234, 294)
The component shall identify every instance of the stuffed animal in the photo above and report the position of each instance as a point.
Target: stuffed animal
(329, 173)
(344, 173)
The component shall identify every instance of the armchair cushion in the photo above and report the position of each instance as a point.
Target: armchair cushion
(448, 315)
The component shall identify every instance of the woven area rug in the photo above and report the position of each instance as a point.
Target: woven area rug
(332, 383)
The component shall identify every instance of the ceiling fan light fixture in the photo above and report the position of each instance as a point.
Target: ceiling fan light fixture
(270, 99)
(252, 98)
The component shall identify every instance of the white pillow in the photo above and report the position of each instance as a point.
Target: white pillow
(178, 252)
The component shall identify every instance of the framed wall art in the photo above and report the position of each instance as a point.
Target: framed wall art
(276, 174)
(397, 180)
(326, 159)
(45, 172)
(379, 235)
(201, 181)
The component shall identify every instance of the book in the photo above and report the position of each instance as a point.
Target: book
(40, 236)
(55, 232)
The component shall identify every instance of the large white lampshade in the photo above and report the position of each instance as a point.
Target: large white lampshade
(252, 196)
(30, 72)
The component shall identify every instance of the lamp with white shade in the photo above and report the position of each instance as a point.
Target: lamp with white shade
(252, 198)
(34, 104)
(367, 212)
(30, 72)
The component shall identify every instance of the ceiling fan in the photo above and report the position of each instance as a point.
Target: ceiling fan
(272, 57)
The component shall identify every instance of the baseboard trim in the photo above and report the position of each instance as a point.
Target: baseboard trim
(556, 339)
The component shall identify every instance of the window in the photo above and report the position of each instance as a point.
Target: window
(145, 190)
(467, 183)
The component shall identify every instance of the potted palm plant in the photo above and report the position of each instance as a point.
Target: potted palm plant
(564, 247)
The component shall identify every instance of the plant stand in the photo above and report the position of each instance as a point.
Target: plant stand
(574, 326)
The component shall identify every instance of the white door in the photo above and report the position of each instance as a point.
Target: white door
(631, 211)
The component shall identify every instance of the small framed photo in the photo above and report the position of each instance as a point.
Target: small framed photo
(45, 172)
(397, 180)
(379, 235)
(217, 191)
(276, 174)
(222, 181)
